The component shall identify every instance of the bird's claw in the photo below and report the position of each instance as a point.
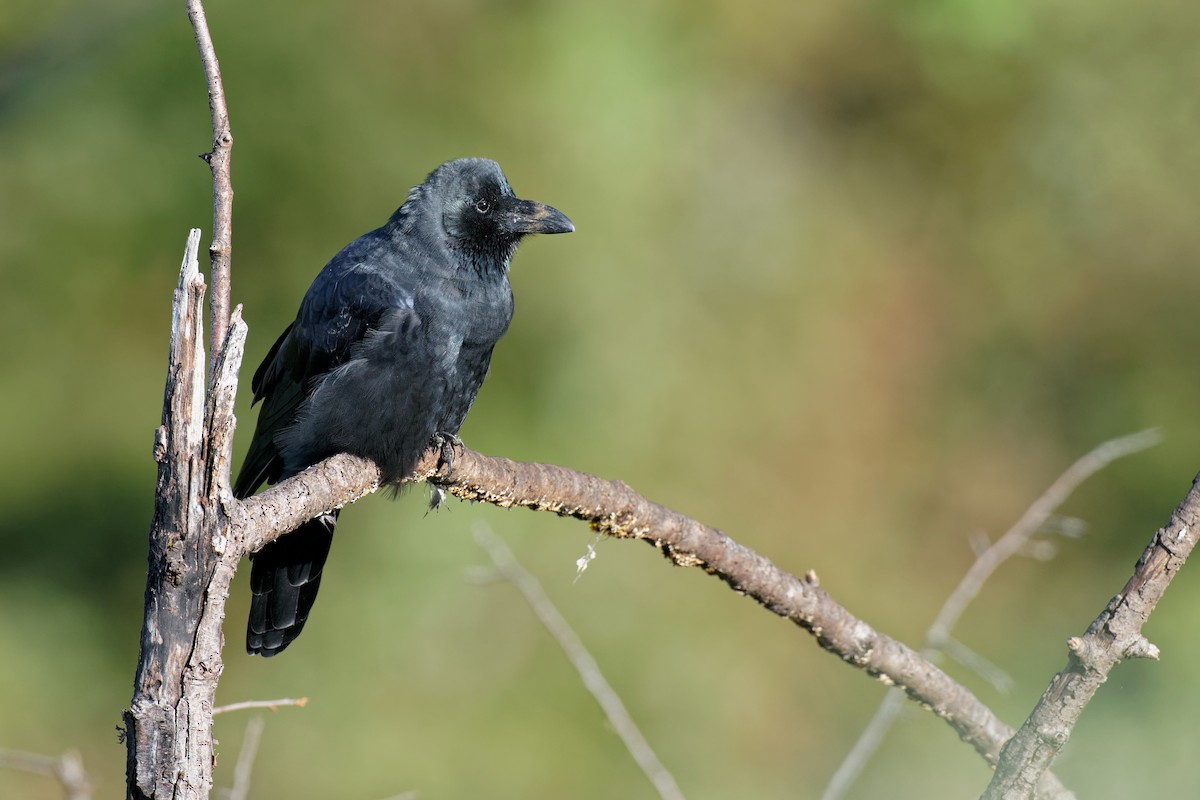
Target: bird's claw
(446, 442)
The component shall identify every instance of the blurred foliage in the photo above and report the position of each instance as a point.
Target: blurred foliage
(851, 281)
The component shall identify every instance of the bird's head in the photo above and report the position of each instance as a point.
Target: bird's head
(480, 212)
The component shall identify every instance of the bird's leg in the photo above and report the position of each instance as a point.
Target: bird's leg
(446, 442)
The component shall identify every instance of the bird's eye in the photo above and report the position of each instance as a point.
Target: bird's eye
(483, 206)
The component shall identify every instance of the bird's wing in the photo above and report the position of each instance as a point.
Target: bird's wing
(342, 306)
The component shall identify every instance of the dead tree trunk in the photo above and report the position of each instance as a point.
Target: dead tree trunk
(168, 727)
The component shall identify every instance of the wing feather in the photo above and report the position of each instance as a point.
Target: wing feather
(345, 303)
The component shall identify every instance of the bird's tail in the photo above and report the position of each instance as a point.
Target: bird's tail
(284, 578)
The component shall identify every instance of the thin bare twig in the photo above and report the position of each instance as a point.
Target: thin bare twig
(245, 762)
(274, 705)
(67, 769)
(1030, 523)
(868, 742)
(589, 671)
(218, 159)
(999, 680)
(938, 637)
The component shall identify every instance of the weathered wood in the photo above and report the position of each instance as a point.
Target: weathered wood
(168, 725)
(1115, 635)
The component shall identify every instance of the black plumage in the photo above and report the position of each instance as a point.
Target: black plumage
(389, 348)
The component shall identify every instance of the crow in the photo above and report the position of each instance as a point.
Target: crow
(389, 348)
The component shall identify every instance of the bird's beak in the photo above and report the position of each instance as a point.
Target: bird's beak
(529, 216)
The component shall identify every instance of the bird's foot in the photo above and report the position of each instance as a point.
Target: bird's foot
(446, 442)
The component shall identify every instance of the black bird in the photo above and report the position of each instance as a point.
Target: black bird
(391, 344)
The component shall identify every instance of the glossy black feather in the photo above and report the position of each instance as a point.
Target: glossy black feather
(390, 346)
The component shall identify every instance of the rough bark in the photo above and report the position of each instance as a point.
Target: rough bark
(1112, 637)
(168, 726)
(613, 508)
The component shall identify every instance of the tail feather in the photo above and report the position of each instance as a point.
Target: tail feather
(284, 578)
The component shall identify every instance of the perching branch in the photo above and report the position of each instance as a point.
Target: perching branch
(1112, 637)
(613, 508)
(937, 638)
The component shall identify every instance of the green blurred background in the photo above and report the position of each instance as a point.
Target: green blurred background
(851, 281)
